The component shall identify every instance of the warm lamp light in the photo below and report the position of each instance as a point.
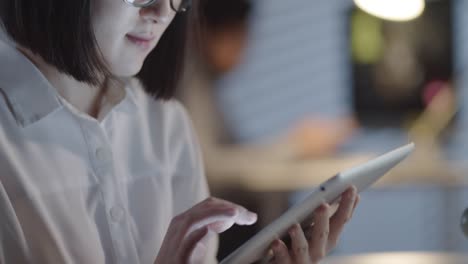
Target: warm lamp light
(396, 10)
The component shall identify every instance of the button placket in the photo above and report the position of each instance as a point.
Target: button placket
(101, 158)
(103, 161)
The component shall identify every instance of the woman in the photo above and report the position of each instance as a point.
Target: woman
(97, 165)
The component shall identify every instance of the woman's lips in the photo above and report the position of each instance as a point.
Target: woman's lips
(141, 41)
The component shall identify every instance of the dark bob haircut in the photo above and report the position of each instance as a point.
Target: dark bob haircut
(61, 33)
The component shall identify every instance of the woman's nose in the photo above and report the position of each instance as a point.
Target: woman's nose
(159, 12)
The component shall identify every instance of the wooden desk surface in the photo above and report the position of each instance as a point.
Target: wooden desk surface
(296, 175)
(400, 257)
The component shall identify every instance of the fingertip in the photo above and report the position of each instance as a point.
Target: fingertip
(278, 247)
(319, 209)
(246, 217)
(252, 217)
(276, 243)
(294, 230)
(281, 252)
(324, 208)
(350, 192)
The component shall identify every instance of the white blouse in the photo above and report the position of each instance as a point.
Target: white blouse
(76, 190)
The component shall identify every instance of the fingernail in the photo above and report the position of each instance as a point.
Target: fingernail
(275, 246)
(251, 217)
(248, 218)
(321, 207)
(292, 230)
(324, 207)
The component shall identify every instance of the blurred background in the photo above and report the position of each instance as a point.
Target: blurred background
(284, 94)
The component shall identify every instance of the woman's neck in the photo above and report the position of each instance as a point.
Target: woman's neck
(84, 97)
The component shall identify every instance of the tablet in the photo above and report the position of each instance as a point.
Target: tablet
(361, 176)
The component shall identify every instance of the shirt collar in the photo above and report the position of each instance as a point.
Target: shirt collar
(130, 85)
(30, 96)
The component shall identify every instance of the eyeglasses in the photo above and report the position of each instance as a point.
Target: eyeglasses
(178, 6)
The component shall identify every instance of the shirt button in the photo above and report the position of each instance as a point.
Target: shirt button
(117, 213)
(101, 154)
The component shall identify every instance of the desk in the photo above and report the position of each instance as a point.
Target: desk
(400, 258)
(289, 176)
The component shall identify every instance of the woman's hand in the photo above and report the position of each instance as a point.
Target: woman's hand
(190, 229)
(321, 237)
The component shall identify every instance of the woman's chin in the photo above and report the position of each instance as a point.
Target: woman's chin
(126, 72)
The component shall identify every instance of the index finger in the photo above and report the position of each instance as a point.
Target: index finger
(213, 210)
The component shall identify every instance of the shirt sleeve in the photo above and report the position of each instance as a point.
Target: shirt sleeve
(189, 182)
(13, 246)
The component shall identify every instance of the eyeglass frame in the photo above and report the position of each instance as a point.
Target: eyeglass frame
(150, 2)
